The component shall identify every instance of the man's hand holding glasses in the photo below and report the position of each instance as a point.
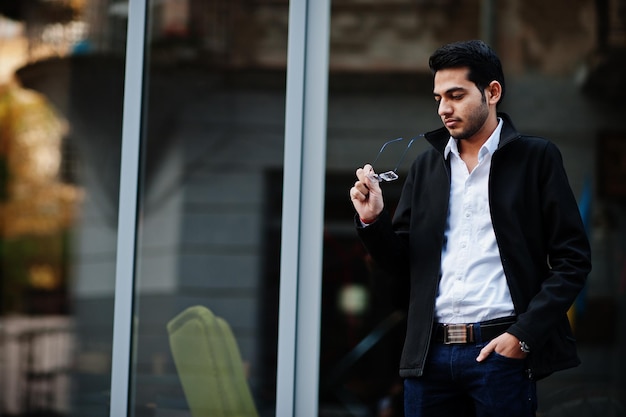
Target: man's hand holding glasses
(366, 194)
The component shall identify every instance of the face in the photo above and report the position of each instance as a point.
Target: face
(463, 108)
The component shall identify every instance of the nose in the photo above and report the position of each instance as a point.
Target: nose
(444, 108)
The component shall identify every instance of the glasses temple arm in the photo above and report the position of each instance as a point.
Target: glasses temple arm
(405, 151)
(382, 148)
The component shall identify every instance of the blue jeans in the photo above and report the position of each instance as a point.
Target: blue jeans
(455, 385)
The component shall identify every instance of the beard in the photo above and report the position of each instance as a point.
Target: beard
(474, 121)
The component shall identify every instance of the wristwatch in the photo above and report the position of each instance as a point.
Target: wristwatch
(524, 347)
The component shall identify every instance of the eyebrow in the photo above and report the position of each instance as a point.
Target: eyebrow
(450, 90)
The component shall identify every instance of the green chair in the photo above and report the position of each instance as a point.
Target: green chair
(209, 365)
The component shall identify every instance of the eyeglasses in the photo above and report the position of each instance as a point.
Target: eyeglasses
(391, 175)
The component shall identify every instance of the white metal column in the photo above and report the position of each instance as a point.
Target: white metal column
(127, 213)
(303, 208)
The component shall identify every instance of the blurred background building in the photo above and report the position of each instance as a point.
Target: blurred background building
(224, 196)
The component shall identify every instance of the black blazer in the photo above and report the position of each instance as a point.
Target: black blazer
(543, 245)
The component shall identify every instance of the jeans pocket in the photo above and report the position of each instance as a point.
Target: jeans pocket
(506, 359)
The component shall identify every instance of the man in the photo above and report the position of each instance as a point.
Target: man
(488, 233)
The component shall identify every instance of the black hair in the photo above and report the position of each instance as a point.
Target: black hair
(483, 63)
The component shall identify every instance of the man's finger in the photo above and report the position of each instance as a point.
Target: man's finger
(355, 194)
(486, 351)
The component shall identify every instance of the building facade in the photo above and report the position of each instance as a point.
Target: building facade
(177, 237)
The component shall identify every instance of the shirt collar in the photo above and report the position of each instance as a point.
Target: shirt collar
(489, 147)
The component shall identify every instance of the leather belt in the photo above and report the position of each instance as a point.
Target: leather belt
(453, 334)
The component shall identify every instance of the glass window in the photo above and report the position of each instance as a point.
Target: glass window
(380, 88)
(61, 90)
(206, 291)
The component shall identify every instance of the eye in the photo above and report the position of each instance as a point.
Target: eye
(457, 96)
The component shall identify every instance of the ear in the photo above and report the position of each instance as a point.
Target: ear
(494, 92)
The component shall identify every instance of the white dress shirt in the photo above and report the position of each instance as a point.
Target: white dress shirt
(473, 287)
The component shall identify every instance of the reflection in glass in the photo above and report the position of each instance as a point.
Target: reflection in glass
(206, 290)
(60, 131)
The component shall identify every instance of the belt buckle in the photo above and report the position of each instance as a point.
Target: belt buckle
(458, 333)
